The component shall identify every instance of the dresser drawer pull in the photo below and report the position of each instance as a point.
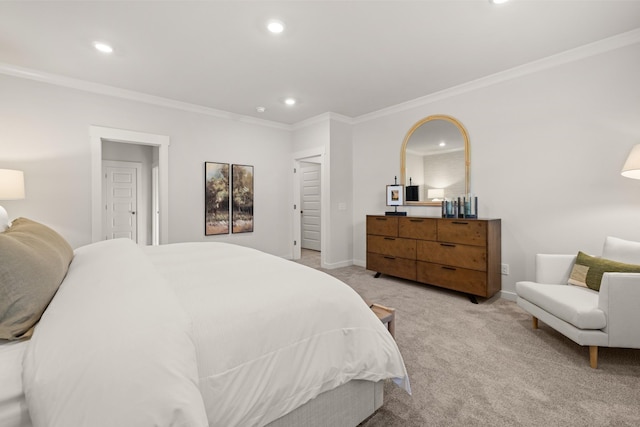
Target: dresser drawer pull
(389, 238)
(448, 268)
(381, 219)
(449, 245)
(459, 222)
(389, 257)
(416, 220)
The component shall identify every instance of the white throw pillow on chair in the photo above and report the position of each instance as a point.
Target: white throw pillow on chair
(621, 250)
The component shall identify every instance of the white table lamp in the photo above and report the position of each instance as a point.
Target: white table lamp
(11, 188)
(631, 168)
(435, 194)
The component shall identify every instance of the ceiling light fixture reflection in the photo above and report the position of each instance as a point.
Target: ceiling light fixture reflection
(261, 109)
(290, 101)
(103, 47)
(498, 1)
(275, 26)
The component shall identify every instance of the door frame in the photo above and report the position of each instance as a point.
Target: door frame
(141, 212)
(97, 135)
(318, 156)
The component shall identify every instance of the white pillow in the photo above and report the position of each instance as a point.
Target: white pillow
(621, 250)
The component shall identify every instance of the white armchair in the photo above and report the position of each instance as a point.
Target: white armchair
(608, 318)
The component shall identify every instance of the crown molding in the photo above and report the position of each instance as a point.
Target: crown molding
(592, 49)
(601, 46)
(83, 85)
(320, 118)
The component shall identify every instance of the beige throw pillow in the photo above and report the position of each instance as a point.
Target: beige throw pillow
(33, 261)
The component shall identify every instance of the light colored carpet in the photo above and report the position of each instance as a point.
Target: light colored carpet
(484, 365)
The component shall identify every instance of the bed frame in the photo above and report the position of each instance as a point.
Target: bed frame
(345, 406)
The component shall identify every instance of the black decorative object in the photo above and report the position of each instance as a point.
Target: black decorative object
(412, 193)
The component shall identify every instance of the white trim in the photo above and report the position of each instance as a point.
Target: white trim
(299, 156)
(116, 92)
(508, 295)
(322, 118)
(97, 134)
(585, 51)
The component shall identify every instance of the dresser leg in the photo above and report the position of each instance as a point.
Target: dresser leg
(472, 298)
(377, 275)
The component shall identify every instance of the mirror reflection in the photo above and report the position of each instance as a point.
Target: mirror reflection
(435, 161)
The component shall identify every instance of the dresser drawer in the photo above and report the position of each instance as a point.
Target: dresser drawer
(392, 246)
(453, 254)
(382, 225)
(418, 228)
(459, 279)
(398, 267)
(470, 232)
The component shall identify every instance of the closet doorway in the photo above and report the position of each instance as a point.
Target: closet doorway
(310, 201)
(310, 206)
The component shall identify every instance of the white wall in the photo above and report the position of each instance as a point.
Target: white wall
(341, 195)
(45, 132)
(546, 154)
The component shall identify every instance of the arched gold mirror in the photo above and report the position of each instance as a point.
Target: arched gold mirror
(434, 161)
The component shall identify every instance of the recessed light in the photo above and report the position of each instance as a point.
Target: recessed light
(103, 47)
(275, 26)
(442, 144)
(498, 1)
(290, 101)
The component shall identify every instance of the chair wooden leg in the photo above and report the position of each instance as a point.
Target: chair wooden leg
(593, 356)
(535, 322)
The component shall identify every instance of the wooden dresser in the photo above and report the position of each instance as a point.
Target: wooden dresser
(455, 253)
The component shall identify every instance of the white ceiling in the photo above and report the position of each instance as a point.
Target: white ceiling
(346, 57)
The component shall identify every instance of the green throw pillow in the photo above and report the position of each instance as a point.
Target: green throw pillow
(588, 270)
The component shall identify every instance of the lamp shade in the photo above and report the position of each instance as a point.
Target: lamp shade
(631, 168)
(11, 184)
(435, 193)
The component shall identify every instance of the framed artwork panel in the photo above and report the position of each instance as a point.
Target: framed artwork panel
(242, 198)
(395, 195)
(216, 198)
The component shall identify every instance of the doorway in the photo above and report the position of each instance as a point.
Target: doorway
(310, 206)
(160, 147)
(319, 204)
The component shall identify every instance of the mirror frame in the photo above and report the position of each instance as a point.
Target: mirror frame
(403, 154)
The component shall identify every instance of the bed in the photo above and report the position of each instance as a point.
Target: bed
(195, 334)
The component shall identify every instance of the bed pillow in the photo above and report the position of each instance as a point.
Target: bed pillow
(34, 260)
(588, 270)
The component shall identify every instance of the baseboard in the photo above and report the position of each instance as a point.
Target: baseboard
(331, 266)
(508, 295)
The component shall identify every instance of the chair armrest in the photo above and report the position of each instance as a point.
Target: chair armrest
(619, 296)
(554, 268)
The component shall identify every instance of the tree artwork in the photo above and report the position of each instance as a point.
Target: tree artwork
(216, 199)
(242, 198)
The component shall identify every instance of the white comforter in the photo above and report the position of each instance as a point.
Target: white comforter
(197, 334)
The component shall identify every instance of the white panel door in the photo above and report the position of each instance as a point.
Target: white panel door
(121, 188)
(310, 202)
